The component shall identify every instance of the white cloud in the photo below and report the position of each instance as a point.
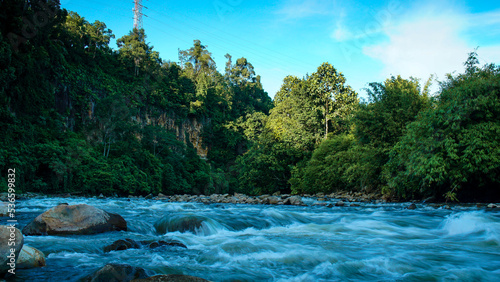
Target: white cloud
(490, 19)
(432, 41)
(421, 48)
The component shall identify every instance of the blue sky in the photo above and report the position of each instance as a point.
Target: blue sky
(368, 41)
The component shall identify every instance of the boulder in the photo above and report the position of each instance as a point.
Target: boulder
(171, 278)
(273, 200)
(182, 224)
(75, 219)
(492, 206)
(115, 272)
(339, 204)
(30, 257)
(4, 209)
(412, 206)
(156, 244)
(13, 236)
(293, 200)
(121, 244)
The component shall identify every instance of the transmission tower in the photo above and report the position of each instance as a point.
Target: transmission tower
(138, 13)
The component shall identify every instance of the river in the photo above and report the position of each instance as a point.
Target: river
(372, 242)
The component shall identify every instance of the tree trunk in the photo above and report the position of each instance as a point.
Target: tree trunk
(109, 147)
(326, 119)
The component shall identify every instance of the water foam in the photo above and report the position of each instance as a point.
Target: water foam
(469, 222)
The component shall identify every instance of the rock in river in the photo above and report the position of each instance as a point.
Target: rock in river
(412, 206)
(179, 223)
(293, 200)
(121, 244)
(30, 257)
(115, 272)
(11, 239)
(171, 278)
(4, 209)
(75, 219)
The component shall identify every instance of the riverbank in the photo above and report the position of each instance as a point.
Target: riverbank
(341, 199)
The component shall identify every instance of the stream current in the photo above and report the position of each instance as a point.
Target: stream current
(372, 242)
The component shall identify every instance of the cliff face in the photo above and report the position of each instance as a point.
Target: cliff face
(185, 129)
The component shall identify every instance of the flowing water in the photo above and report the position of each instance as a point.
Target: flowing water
(372, 242)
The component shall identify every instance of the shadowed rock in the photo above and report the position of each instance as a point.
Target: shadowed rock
(75, 219)
(171, 278)
(412, 206)
(181, 224)
(120, 245)
(115, 272)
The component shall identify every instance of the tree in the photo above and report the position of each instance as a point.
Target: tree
(335, 99)
(452, 151)
(355, 161)
(134, 47)
(197, 59)
(393, 105)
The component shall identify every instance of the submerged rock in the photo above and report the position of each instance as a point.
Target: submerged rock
(117, 272)
(75, 219)
(339, 204)
(172, 278)
(156, 244)
(181, 224)
(11, 238)
(30, 257)
(121, 244)
(411, 206)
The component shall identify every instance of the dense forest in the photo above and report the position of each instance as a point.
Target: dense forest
(79, 116)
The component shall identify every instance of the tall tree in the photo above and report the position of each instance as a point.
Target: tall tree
(134, 47)
(333, 96)
(197, 59)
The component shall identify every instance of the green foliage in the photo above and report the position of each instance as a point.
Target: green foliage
(304, 110)
(266, 167)
(393, 105)
(333, 98)
(453, 149)
(339, 163)
(355, 161)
